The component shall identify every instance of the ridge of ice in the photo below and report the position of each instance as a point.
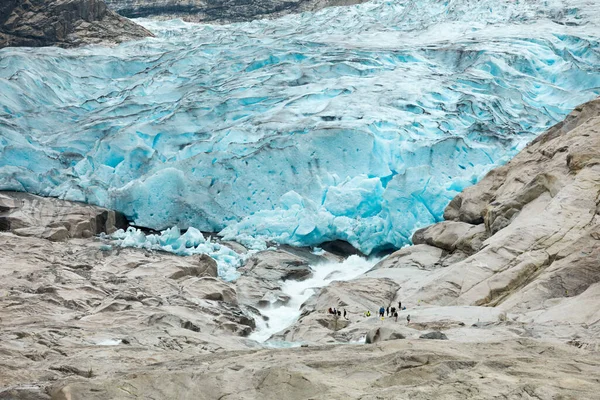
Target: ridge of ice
(189, 243)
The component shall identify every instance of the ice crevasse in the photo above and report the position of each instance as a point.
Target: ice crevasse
(356, 123)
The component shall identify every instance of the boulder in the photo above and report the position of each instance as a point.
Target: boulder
(450, 235)
(420, 256)
(48, 218)
(176, 267)
(209, 288)
(382, 334)
(436, 335)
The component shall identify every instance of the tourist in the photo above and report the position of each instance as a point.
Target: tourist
(345, 314)
(396, 316)
(387, 310)
(382, 311)
(393, 310)
(408, 319)
(399, 305)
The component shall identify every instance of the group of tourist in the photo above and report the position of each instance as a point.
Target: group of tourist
(337, 313)
(383, 312)
(390, 310)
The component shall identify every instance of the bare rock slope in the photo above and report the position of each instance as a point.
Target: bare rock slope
(223, 11)
(64, 23)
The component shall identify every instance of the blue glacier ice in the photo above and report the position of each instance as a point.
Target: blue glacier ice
(357, 123)
(186, 244)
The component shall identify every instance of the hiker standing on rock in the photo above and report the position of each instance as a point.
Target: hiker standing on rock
(393, 311)
(388, 311)
(396, 316)
(408, 319)
(399, 306)
(382, 311)
(345, 314)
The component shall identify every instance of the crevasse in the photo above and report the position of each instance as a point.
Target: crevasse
(356, 123)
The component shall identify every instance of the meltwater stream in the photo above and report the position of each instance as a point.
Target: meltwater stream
(281, 317)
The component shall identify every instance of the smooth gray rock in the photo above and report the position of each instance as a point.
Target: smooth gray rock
(450, 235)
(419, 256)
(64, 23)
(48, 218)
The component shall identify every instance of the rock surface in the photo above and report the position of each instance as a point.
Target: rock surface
(28, 215)
(399, 369)
(64, 23)
(79, 305)
(223, 11)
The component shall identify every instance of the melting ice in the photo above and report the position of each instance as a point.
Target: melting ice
(186, 244)
(356, 123)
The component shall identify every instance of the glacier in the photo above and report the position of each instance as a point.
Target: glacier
(356, 123)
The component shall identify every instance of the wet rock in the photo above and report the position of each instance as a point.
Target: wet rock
(260, 282)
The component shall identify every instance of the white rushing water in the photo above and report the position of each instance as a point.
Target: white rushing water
(280, 317)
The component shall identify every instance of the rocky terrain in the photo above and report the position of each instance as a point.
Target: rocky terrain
(222, 11)
(64, 23)
(503, 301)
